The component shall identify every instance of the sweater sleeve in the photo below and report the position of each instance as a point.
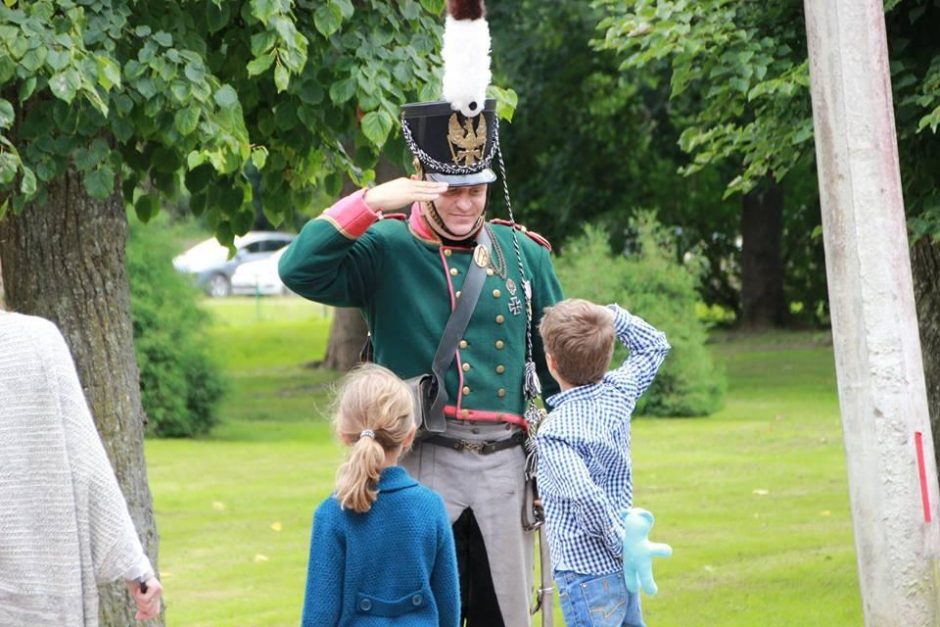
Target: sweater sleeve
(444, 581)
(116, 550)
(323, 600)
(336, 259)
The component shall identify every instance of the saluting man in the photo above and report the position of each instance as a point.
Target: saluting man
(406, 275)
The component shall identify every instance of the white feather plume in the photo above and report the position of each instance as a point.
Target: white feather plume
(466, 53)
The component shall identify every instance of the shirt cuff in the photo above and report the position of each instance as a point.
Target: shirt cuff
(142, 569)
(351, 215)
(622, 319)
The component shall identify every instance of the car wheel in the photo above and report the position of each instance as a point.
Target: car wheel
(218, 286)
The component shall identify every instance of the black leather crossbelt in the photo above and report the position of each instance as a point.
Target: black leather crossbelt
(482, 447)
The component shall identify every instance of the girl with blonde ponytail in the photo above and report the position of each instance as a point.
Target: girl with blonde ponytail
(382, 544)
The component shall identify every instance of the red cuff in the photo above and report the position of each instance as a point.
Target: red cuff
(351, 215)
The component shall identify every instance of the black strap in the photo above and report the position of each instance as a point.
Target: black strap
(456, 325)
(483, 448)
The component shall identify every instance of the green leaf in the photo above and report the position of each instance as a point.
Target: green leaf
(327, 18)
(8, 165)
(435, 7)
(195, 72)
(27, 88)
(281, 78)
(147, 207)
(58, 59)
(333, 184)
(186, 120)
(346, 8)
(64, 85)
(259, 157)
(6, 114)
(260, 64)
(142, 30)
(264, 9)
(198, 178)
(109, 73)
(28, 184)
(226, 97)
(343, 90)
(376, 126)
(100, 182)
(163, 38)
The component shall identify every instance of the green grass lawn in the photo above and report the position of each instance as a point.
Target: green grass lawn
(753, 499)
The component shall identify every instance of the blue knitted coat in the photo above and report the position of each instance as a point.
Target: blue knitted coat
(393, 565)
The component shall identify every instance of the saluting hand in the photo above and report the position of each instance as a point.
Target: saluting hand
(402, 192)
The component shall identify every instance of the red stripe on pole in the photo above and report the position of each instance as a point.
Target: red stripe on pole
(922, 471)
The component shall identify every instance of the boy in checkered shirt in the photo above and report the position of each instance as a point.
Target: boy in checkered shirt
(584, 453)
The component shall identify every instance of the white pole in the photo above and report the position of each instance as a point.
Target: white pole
(888, 444)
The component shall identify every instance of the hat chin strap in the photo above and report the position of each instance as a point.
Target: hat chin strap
(437, 224)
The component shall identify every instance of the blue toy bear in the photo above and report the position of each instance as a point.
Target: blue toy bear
(638, 551)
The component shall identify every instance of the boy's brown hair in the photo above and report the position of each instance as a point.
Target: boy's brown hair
(580, 336)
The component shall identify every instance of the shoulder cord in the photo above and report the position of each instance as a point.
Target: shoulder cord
(532, 387)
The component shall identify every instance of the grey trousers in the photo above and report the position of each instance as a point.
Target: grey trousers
(493, 487)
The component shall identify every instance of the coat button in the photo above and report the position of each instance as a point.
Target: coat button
(500, 344)
(489, 272)
(466, 367)
(497, 293)
(454, 272)
(464, 344)
(465, 413)
(448, 252)
(501, 392)
(500, 319)
(500, 369)
(457, 294)
(466, 389)
(416, 600)
(365, 605)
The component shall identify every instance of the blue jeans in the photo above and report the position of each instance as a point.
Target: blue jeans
(597, 600)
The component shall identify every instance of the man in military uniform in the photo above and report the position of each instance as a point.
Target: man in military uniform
(405, 275)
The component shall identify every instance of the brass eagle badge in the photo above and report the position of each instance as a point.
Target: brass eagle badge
(466, 143)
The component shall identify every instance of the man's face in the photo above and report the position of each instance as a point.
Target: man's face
(460, 207)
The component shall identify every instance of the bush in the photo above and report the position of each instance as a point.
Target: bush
(652, 284)
(179, 384)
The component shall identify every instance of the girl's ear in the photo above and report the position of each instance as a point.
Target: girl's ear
(410, 438)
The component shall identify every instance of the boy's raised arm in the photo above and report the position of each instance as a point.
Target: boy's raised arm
(648, 348)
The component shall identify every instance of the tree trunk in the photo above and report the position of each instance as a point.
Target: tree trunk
(762, 301)
(347, 337)
(348, 330)
(925, 266)
(65, 261)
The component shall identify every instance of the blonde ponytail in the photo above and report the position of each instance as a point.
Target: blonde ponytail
(374, 414)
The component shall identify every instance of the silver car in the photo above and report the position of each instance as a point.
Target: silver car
(210, 265)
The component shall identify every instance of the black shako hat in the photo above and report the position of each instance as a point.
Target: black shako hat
(451, 147)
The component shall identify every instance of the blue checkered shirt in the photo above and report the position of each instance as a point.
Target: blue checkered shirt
(584, 473)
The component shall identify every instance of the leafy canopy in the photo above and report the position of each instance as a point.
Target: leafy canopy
(167, 96)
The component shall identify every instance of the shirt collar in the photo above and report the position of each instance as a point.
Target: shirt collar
(589, 390)
(395, 478)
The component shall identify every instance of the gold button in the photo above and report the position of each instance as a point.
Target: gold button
(465, 413)
(454, 271)
(466, 367)
(457, 294)
(464, 344)
(466, 389)
(500, 369)
(489, 272)
(501, 392)
(500, 319)
(447, 252)
(524, 229)
(500, 344)
(497, 293)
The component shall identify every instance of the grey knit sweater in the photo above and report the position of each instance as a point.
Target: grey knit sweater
(64, 524)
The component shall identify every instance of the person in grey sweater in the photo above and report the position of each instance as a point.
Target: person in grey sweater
(64, 524)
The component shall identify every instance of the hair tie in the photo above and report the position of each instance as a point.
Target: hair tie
(367, 433)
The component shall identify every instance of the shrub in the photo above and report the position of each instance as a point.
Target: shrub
(651, 283)
(179, 384)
